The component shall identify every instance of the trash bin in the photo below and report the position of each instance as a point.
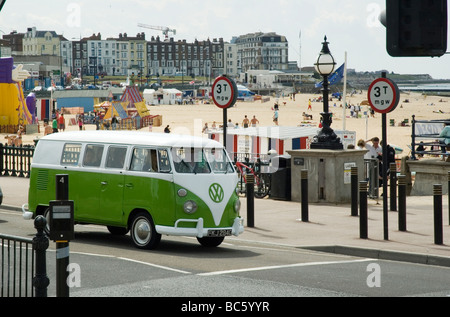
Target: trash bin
(280, 187)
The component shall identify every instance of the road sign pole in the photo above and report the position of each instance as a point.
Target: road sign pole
(383, 97)
(385, 163)
(225, 128)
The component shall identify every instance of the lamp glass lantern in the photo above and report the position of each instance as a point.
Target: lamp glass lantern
(325, 62)
(326, 139)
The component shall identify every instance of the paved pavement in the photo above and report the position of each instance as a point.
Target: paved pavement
(330, 228)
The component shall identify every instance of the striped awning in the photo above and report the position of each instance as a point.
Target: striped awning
(132, 95)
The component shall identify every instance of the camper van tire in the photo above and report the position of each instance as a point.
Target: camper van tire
(210, 242)
(143, 232)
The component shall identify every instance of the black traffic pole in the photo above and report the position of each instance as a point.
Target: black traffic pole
(437, 197)
(393, 186)
(250, 200)
(384, 172)
(62, 247)
(402, 203)
(354, 191)
(363, 210)
(304, 193)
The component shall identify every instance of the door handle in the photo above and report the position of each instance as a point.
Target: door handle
(129, 185)
(104, 183)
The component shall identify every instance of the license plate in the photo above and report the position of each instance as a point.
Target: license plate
(219, 233)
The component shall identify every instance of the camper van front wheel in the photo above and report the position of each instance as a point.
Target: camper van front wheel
(143, 232)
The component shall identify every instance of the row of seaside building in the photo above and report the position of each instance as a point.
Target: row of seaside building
(47, 53)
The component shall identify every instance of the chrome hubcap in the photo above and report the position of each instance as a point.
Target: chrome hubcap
(142, 231)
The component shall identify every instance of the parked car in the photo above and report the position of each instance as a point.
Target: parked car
(38, 88)
(1, 196)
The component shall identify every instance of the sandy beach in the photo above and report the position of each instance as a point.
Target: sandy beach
(190, 119)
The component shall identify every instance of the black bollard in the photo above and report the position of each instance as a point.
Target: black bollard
(304, 192)
(363, 210)
(393, 186)
(402, 203)
(250, 200)
(40, 246)
(354, 190)
(437, 197)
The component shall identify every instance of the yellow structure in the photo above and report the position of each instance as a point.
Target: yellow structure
(13, 107)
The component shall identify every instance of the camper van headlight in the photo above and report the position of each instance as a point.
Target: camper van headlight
(190, 207)
(237, 205)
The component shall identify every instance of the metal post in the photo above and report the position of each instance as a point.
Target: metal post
(363, 210)
(62, 247)
(354, 191)
(437, 197)
(402, 203)
(225, 128)
(413, 138)
(304, 193)
(250, 200)
(393, 186)
(384, 172)
(40, 246)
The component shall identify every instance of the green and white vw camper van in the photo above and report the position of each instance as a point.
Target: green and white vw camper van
(150, 184)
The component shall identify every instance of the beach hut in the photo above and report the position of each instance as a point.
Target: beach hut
(257, 141)
(162, 96)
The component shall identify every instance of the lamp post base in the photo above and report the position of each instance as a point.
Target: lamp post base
(327, 146)
(326, 139)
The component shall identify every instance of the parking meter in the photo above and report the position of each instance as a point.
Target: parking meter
(61, 220)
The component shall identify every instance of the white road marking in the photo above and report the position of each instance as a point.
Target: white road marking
(262, 268)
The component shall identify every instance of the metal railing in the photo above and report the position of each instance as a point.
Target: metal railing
(23, 271)
(428, 131)
(16, 160)
(17, 266)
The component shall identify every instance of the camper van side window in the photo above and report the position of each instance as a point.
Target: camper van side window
(144, 160)
(116, 157)
(71, 154)
(164, 163)
(93, 155)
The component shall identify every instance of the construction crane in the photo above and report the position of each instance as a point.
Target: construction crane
(165, 30)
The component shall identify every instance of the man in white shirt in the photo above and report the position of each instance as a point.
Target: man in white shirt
(375, 149)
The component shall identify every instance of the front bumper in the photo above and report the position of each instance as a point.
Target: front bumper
(199, 231)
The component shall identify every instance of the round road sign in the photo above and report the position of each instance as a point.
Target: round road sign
(224, 92)
(383, 95)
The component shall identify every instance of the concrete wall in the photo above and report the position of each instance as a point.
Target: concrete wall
(428, 173)
(328, 174)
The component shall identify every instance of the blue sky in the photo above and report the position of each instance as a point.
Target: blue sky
(350, 25)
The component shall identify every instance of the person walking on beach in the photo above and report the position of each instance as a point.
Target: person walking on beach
(254, 121)
(309, 105)
(61, 123)
(245, 122)
(275, 117)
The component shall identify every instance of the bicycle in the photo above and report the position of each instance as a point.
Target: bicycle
(262, 184)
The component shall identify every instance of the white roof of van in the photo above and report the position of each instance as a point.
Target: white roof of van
(133, 137)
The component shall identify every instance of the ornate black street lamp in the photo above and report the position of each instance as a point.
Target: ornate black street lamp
(326, 139)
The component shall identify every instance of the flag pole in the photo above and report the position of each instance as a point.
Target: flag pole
(344, 106)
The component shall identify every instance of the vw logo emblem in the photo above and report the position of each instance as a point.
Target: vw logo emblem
(216, 193)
